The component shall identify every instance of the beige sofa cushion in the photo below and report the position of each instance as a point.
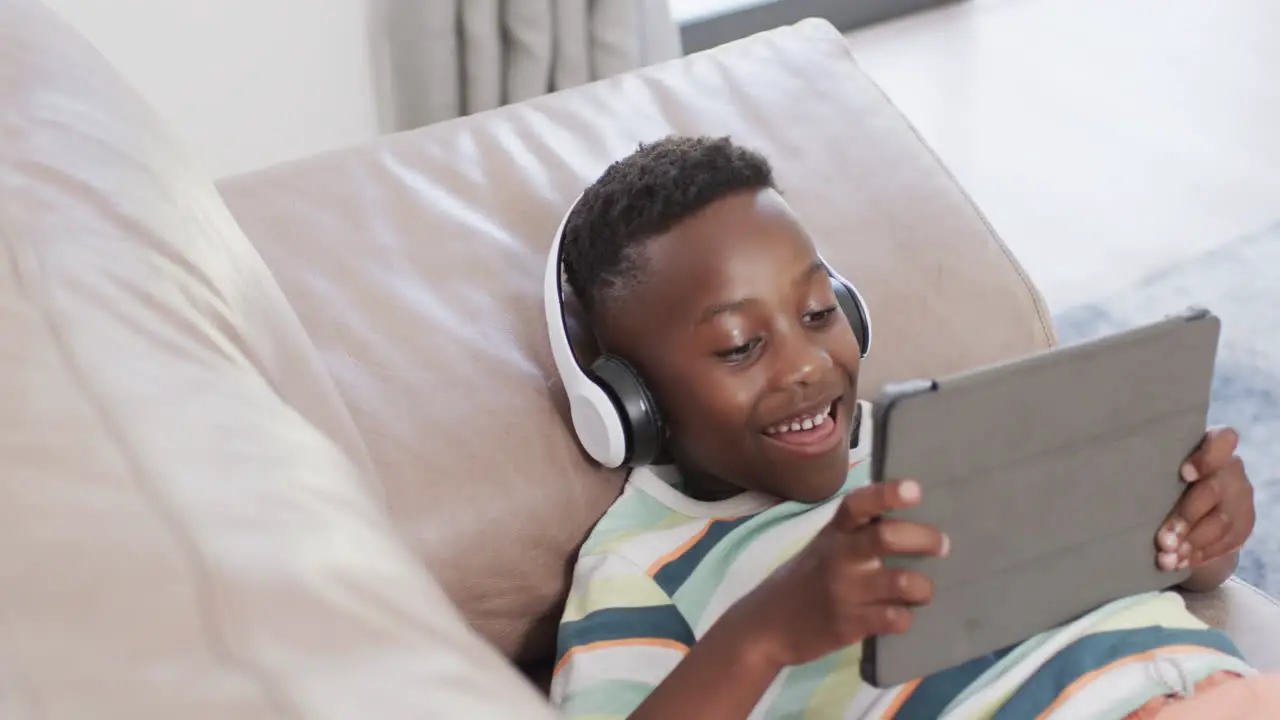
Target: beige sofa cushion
(416, 267)
(187, 528)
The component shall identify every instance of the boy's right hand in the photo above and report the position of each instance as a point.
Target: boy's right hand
(836, 591)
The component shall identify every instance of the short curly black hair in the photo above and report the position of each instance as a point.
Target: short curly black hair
(644, 195)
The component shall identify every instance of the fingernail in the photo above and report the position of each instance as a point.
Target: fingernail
(1167, 561)
(1184, 550)
(1168, 540)
(1179, 527)
(946, 545)
(1182, 564)
(1189, 473)
(909, 490)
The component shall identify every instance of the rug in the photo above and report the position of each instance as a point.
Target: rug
(1239, 282)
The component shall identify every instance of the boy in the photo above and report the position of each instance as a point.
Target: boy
(738, 578)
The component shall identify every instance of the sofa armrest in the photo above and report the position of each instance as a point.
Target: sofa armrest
(1248, 615)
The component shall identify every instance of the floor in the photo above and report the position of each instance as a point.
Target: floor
(1105, 139)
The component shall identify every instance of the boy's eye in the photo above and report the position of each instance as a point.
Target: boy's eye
(738, 353)
(817, 317)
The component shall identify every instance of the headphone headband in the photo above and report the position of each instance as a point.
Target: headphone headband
(553, 305)
(595, 416)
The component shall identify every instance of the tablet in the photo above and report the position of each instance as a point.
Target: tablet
(1051, 475)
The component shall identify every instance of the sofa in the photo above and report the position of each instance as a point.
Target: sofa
(290, 445)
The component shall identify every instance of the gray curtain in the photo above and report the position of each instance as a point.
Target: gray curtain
(447, 58)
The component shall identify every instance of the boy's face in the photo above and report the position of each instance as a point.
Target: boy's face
(736, 330)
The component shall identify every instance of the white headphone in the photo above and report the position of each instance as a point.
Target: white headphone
(614, 415)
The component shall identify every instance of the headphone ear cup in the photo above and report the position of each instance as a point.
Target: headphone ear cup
(641, 419)
(855, 312)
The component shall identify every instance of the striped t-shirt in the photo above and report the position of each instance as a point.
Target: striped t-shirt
(660, 568)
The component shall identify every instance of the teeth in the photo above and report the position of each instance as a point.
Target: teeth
(807, 422)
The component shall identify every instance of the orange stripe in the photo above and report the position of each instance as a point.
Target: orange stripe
(606, 644)
(855, 463)
(901, 700)
(684, 547)
(1079, 684)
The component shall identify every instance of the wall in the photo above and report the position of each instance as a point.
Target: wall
(250, 83)
(246, 83)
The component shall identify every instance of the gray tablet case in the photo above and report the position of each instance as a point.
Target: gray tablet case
(1051, 475)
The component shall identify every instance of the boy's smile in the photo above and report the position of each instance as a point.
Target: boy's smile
(736, 329)
(810, 432)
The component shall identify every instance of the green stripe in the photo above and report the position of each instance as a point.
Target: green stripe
(937, 691)
(1011, 658)
(674, 574)
(697, 590)
(607, 698)
(859, 476)
(1094, 652)
(635, 515)
(802, 681)
(662, 622)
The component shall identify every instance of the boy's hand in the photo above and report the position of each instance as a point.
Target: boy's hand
(836, 591)
(1216, 514)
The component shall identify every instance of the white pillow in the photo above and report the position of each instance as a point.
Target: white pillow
(188, 527)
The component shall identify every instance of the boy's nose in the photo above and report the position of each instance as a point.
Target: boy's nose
(803, 363)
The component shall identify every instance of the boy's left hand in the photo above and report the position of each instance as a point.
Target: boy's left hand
(1216, 514)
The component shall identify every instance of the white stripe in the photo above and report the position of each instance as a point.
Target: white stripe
(753, 563)
(639, 663)
(596, 567)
